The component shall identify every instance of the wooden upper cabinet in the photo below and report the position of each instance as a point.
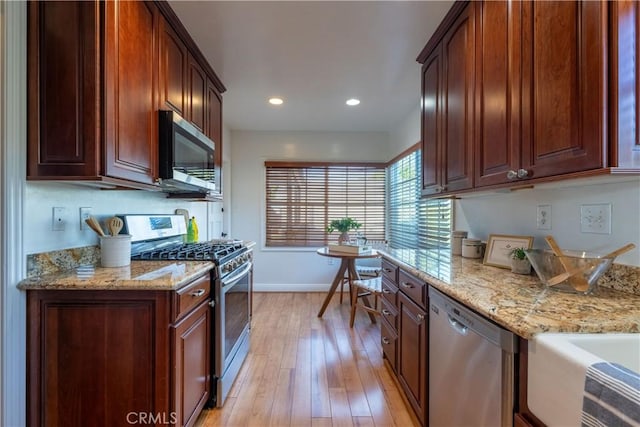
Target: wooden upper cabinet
(625, 85)
(197, 94)
(498, 46)
(131, 121)
(213, 127)
(447, 109)
(458, 47)
(564, 97)
(64, 83)
(173, 70)
(431, 93)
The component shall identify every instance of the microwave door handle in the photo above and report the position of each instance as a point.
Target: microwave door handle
(231, 280)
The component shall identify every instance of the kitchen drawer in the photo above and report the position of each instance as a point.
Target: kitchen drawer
(413, 287)
(390, 313)
(389, 291)
(389, 341)
(191, 295)
(390, 271)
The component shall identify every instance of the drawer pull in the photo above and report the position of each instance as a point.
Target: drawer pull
(198, 293)
(385, 341)
(407, 285)
(388, 270)
(386, 312)
(420, 317)
(386, 291)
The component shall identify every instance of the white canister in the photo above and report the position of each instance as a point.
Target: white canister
(115, 251)
(471, 248)
(456, 241)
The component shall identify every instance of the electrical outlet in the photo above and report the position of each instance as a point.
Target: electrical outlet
(543, 218)
(58, 219)
(595, 218)
(85, 213)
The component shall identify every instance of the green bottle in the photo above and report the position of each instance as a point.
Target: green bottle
(192, 230)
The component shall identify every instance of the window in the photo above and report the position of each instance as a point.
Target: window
(414, 222)
(303, 198)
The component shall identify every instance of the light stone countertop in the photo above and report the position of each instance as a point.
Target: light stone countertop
(140, 275)
(521, 304)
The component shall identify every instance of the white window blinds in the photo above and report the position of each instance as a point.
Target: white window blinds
(414, 222)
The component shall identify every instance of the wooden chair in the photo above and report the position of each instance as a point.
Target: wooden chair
(363, 289)
(364, 271)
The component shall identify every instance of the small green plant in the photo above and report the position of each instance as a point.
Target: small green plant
(518, 253)
(343, 225)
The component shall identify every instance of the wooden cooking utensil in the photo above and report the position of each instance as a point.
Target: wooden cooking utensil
(94, 225)
(620, 251)
(114, 225)
(579, 283)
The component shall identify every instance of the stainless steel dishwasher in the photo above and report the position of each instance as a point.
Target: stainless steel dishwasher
(471, 367)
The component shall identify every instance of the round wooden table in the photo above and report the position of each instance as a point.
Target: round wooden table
(347, 264)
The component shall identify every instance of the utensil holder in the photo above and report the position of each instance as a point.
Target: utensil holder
(115, 251)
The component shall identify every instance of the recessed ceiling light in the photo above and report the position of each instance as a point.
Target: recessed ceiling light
(352, 102)
(276, 101)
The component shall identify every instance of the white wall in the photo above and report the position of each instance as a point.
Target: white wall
(41, 197)
(515, 213)
(406, 133)
(288, 269)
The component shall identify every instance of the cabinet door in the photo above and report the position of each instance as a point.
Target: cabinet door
(564, 86)
(431, 101)
(192, 383)
(64, 85)
(625, 82)
(197, 94)
(497, 142)
(173, 69)
(412, 358)
(96, 358)
(131, 123)
(458, 102)
(214, 128)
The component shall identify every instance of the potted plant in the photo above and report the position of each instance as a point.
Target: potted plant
(343, 225)
(519, 262)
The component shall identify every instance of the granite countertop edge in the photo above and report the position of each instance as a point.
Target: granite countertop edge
(139, 275)
(525, 307)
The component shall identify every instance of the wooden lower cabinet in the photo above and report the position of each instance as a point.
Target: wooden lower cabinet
(113, 358)
(413, 335)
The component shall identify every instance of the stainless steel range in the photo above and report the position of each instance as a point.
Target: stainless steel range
(160, 237)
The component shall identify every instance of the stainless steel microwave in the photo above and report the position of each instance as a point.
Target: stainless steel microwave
(187, 160)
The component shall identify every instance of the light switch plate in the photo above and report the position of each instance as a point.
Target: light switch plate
(85, 213)
(595, 218)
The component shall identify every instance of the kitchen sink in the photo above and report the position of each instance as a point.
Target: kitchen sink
(557, 366)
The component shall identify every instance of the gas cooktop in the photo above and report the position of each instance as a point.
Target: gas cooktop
(205, 251)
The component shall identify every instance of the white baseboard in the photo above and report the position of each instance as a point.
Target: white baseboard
(290, 287)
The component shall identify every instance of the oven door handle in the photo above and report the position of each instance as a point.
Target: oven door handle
(231, 280)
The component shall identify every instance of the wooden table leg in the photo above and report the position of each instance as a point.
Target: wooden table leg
(337, 281)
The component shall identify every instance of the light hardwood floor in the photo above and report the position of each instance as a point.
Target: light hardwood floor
(306, 371)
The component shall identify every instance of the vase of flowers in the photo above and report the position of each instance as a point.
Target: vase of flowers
(343, 225)
(519, 262)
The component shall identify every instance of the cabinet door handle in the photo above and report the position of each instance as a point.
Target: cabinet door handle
(523, 173)
(512, 174)
(198, 293)
(406, 285)
(386, 291)
(212, 303)
(385, 341)
(386, 312)
(420, 317)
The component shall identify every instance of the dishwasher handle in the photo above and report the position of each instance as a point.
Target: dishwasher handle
(457, 325)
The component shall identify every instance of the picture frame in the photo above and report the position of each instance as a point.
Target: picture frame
(499, 247)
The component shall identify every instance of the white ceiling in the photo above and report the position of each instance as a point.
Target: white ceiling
(316, 55)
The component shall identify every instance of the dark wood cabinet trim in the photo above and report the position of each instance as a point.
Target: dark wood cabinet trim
(442, 29)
